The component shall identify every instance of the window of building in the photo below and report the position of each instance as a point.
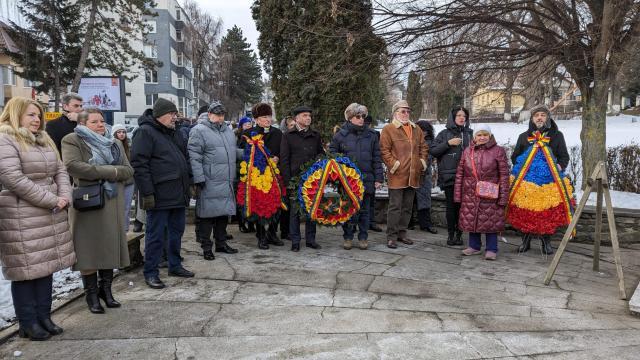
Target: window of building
(8, 76)
(180, 59)
(178, 13)
(151, 76)
(182, 105)
(151, 26)
(151, 99)
(178, 35)
(150, 51)
(187, 84)
(30, 83)
(180, 81)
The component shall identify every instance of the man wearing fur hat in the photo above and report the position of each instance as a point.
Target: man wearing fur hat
(262, 115)
(540, 197)
(162, 175)
(404, 152)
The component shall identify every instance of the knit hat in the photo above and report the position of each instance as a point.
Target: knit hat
(355, 109)
(301, 109)
(243, 121)
(217, 108)
(117, 127)
(481, 127)
(163, 106)
(261, 109)
(400, 104)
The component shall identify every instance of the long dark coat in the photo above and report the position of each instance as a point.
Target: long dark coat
(476, 214)
(449, 156)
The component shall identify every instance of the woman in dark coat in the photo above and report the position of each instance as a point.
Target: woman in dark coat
(447, 148)
(483, 160)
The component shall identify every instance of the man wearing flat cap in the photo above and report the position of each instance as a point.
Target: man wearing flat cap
(162, 174)
(404, 152)
(299, 145)
(272, 137)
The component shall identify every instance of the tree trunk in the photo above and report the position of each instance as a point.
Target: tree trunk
(594, 128)
(86, 46)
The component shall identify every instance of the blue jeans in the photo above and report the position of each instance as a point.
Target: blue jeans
(360, 219)
(475, 241)
(173, 220)
(294, 229)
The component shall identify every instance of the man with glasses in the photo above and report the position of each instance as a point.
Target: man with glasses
(162, 174)
(65, 124)
(404, 152)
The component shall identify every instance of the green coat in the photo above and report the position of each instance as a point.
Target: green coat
(98, 235)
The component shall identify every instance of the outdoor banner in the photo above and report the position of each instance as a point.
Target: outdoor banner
(103, 92)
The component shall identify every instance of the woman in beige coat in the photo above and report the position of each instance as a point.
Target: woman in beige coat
(35, 240)
(98, 235)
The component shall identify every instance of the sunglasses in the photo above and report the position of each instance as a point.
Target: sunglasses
(405, 111)
(360, 116)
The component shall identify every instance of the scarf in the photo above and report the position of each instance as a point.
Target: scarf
(104, 151)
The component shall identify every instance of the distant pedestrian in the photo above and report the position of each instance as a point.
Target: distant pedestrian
(64, 125)
(360, 144)
(423, 193)
(35, 240)
(405, 153)
(447, 148)
(162, 174)
(93, 159)
(299, 146)
(212, 153)
(119, 133)
(482, 189)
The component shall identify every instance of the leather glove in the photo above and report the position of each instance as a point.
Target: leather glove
(148, 202)
(197, 189)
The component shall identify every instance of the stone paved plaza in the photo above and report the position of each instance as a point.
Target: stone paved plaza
(423, 301)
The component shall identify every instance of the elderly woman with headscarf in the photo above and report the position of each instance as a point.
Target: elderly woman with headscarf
(98, 235)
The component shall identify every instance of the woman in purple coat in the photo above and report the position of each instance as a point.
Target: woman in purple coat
(482, 207)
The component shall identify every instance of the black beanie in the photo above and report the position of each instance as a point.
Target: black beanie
(163, 106)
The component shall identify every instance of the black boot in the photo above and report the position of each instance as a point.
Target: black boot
(90, 283)
(34, 332)
(104, 290)
(422, 219)
(137, 226)
(272, 238)
(263, 244)
(545, 245)
(526, 243)
(208, 255)
(51, 327)
(251, 227)
(451, 238)
(458, 239)
(243, 226)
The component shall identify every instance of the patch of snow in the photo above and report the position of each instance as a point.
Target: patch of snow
(619, 199)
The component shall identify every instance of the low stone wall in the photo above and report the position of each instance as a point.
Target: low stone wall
(627, 221)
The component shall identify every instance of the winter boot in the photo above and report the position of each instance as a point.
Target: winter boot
(90, 284)
(104, 288)
(451, 238)
(347, 244)
(458, 239)
(263, 244)
(545, 245)
(526, 243)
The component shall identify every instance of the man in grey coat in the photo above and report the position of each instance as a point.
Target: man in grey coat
(212, 153)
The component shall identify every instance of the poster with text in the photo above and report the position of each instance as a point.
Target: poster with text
(103, 93)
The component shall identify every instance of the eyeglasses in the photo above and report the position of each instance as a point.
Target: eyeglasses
(360, 116)
(404, 111)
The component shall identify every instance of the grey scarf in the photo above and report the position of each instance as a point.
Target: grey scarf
(104, 151)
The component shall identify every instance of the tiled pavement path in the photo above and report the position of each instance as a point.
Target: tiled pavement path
(415, 302)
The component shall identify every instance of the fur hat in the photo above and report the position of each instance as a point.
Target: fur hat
(163, 106)
(301, 109)
(400, 104)
(261, 109)
(481, 127)
(355, 109)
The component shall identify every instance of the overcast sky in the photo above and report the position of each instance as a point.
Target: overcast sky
(234, 12)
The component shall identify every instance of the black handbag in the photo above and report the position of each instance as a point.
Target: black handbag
(90, 197)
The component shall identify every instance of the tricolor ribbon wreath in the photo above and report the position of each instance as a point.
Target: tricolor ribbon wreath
(259, 191)
(331, 208)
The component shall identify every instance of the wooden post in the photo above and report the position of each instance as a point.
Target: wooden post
(613, 231)
(598, 235)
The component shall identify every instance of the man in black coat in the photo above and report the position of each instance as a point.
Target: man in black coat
(362, 145)
(262, 115)
(541, 121)
(162, 174)
(64, 125)
(447, 148)
(299, 145)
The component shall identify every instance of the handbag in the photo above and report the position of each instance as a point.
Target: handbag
(89, 197)
(484, 189)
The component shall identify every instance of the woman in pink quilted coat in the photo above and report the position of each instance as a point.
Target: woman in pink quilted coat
(35, 240)
(482, 209)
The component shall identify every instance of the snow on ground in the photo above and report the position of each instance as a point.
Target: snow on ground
(64, 282)
(619, 199)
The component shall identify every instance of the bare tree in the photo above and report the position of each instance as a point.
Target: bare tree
(591, 39)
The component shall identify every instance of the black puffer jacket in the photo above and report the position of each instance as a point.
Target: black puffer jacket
(557, 143)
(449, 156)
(296, 148)
(161, 163)
(362, 146)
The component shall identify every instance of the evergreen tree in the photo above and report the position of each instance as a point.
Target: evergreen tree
(49, 44)
(414, 94)
(239, 72)
(322, 54)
